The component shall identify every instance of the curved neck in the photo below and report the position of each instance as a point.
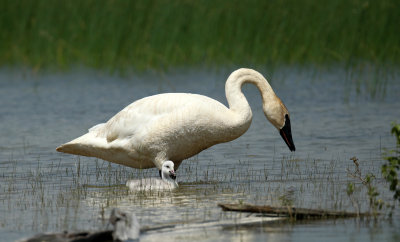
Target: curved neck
(164, 176)
(234, 95)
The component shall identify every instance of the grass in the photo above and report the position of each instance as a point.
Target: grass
(59, 196)
(157, 34)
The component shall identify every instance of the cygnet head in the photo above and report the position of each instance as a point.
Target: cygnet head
(277, 113)
(168, 171)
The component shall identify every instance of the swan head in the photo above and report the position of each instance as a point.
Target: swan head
(277, 113)
(168, 171)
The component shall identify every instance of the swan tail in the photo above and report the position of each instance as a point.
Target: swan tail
(83, 145)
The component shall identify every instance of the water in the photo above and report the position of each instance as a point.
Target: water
(42, 190)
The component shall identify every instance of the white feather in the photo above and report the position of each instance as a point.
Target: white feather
(176, 126)
(156, 184)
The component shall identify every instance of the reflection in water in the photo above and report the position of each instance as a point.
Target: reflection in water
(42, 190)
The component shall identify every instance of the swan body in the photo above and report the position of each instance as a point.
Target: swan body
(176, 126)
(167, 181)
(126, 226)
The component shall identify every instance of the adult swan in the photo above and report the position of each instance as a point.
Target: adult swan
(176, 126)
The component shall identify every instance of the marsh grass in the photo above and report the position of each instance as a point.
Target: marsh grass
(305, 183)
(157, 34)
(78, 193)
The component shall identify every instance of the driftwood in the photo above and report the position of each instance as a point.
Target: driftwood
(126, 228)
(291, 212)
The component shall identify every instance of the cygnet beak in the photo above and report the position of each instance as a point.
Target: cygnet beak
(172, 174)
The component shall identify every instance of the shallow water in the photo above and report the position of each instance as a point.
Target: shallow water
(42, 190)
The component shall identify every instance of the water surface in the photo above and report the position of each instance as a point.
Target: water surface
(42, 190)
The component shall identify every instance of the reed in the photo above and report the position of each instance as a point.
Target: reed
(154, 34)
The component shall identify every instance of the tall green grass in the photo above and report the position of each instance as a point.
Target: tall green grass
(119, 34)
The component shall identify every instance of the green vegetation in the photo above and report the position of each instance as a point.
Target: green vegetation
(392, 165)
(145, 34)
(390, 174)
(367, 181)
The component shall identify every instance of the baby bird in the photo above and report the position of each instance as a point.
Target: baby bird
(167, 181)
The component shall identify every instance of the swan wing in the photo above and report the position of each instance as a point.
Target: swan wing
(156, 114)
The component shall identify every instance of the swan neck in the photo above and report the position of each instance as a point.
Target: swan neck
(168, 179)
(233, 89)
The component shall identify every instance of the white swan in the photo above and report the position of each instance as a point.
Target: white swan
(176, 126)
(167, 181)
(126, 226)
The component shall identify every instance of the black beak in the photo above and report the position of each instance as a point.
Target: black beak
(172, 175)
(286, 133)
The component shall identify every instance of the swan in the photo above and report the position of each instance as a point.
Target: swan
(176, 126)
(126, 225)
(167, 181)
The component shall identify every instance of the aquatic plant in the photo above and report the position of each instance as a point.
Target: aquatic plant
(375, 203)
(392, 166)
(389, 172)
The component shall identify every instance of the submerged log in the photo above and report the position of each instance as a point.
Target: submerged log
(291, 212)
